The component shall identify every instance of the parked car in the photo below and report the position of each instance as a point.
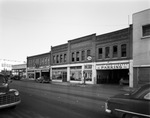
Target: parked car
(16, 77)
(134, 104)
(8, 97)
(43, 79)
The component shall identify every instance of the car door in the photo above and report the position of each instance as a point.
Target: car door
(144, 103)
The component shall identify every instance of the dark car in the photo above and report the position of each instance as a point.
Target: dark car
(134, 104)
(8, 97)
(16, 77)
(43, 79)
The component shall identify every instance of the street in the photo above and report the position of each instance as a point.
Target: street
(55, 101)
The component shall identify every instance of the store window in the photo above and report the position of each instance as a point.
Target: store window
(88, 75)
(77, 56)
(107, 52)
(100, 51)
(146, 30)
(73, 56)
(123, 50)
(59, 73)
(83, 55)
(115, 51)
(75, 74)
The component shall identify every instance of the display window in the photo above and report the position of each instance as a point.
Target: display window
(88, 75)
(75, 74)
(59, 74)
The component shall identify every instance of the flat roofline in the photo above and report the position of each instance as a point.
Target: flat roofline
(141, 11)
(39, 54)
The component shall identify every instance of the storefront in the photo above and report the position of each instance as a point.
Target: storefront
(76, 73)
(45, 72)
(112, 73)
(30, 74)
(59, 74)
(88, 73)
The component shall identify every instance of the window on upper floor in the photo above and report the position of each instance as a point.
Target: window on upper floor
(107, 52)
(45, 61)
(73, 56)
(88, 53)
(77, 56)
(115, 51)
(83, 55)
(65, 57)
(146, 30)
(61, 58)
(54, 59)
(100, 52)
(57, 59)
(48, 60)
(123, 50)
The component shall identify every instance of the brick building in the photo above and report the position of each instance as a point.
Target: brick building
(114, 57)
(38, 65)
(70, 60)
(59, 57)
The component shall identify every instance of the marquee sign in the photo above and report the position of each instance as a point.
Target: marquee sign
(113, 66)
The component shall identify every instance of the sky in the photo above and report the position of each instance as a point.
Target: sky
(31, 27)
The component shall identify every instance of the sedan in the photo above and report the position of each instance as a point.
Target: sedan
(134, 104)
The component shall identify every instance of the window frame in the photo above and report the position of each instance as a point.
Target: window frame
(73, 56)
(107, 56)
(100, 55)
(123, 50)
(146, 30)
(115, 54)
(77, 56)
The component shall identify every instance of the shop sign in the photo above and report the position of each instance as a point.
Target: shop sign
(30, 71)
(46, 70)
(38, 71)
(113, 66)
(88, 67)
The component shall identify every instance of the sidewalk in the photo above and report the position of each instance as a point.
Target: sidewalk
(92, 86)
(96, 86)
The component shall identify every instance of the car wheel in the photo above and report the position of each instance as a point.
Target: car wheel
(130, 116)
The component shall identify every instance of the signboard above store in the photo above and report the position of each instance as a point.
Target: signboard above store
(112, 66)
(88, 67)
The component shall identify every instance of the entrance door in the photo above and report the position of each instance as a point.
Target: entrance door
(64, 76)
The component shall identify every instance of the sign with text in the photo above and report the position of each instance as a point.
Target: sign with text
(113, 66)
(88, 67)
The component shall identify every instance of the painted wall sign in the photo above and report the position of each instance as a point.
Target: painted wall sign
(113, 66)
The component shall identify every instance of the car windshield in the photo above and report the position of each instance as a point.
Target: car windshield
(2, 79)
(140, 89)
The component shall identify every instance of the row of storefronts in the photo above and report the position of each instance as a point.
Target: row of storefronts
(90, 73)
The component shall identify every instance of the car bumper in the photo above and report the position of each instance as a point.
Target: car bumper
(10, 104)
(106, 108)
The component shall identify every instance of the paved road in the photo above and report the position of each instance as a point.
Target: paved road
(56, 101)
